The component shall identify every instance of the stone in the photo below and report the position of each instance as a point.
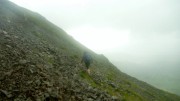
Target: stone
(9, 73)
(89, 99)
(28, 99)
(48, 83)
(112, 85)
(8, 46)
(8, 21)
(38, 82)
(4, 32)
(114, 97)
(9, 95)
(23, 61)
(49, 90)
(16, 37)
(31, 71)
(29, 82)
(7, 36)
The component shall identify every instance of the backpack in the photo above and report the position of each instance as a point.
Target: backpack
(87, 57)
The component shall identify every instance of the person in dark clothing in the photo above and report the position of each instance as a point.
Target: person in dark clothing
(87, 59)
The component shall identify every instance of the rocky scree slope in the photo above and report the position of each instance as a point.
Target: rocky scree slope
(40, 62)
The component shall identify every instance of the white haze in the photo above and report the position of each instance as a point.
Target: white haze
(140, 37)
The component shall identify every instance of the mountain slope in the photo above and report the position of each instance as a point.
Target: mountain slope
(40, 62)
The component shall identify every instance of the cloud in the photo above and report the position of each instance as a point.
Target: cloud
(140, 16)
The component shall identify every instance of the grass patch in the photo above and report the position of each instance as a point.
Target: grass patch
(86, 76)
(102, 86)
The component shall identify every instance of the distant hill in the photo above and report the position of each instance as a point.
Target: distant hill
(40, 62)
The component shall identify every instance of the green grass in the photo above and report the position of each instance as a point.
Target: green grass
(86, 77)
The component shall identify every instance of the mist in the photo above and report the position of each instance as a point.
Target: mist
(153, 59)
(150, 28)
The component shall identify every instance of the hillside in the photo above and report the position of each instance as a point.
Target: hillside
(40, 62)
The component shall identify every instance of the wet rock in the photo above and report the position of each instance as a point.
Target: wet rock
(17, 99)
(31, 71)
(8, 46)
(6, 93)
(9, 73)
(23, 62)
(16, 37)
(48, 66)
(4, 32)
(114, 97)
(38, 99)
(29, 82)
(48, 83)
(7, 36)
(29, 99)
(90, 99)
(112, 85)
(38, 82)
(8, 21)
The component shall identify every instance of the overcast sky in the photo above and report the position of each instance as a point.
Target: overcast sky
(119, 21)
(138, 36)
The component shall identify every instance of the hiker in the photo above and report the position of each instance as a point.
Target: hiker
(87, 59)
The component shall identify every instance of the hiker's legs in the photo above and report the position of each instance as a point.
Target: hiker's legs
(88, 70)
(87, 66)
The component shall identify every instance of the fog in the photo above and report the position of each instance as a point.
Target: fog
(155, 60)
(140, 37)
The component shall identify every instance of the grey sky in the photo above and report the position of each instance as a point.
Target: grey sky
(136, 15)
(153, 28)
